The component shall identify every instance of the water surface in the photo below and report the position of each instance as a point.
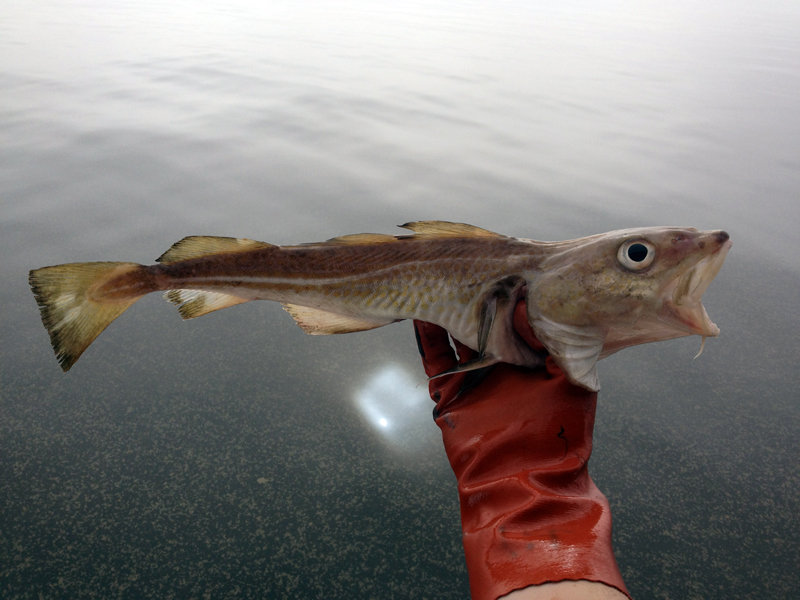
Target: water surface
(232, 456)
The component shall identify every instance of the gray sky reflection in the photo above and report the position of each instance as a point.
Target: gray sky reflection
(397, 407)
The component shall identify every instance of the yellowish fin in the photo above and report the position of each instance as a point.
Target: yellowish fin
(196, 303)
(321, 322)
(71, 314)
(204, 245)
(358, 239)
(448, 229)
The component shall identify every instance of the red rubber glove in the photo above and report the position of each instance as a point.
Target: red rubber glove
(519, 442)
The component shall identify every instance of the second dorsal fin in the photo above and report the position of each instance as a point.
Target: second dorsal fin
(202, 245)
(356, 239)
(447, 229)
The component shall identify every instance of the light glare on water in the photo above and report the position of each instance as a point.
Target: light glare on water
(397, 407)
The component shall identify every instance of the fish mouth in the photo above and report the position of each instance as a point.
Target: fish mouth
(682, 307)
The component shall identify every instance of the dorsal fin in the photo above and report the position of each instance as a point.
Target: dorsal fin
(447, 229)
(202, 245)
(356, 239)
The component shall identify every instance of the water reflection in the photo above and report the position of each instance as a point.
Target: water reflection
(396, 406)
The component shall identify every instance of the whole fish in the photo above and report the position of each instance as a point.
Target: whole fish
(586, 298)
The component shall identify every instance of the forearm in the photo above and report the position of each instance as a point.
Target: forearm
(567, 590)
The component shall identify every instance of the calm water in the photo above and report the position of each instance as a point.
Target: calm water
(233, 456)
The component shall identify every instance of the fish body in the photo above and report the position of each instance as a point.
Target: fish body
(586, 298)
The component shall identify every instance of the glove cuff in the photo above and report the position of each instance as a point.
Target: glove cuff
(541, 540)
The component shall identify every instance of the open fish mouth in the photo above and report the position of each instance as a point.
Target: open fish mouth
(682, 307)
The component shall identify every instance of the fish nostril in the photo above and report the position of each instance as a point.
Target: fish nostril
(722, 236)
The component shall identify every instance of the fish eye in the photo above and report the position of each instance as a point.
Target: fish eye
(636, 255)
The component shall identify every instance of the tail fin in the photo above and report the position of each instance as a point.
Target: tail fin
(72, 315)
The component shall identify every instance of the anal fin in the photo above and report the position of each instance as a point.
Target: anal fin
(196, 303)
(315, 321)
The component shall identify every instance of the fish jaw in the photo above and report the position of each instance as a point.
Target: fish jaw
(682, 307)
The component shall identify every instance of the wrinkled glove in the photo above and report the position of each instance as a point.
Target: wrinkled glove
(519, 441)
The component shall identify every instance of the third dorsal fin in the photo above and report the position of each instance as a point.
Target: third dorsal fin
(202, 245)
(447, 229)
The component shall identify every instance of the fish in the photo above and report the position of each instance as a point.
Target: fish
(586, 298)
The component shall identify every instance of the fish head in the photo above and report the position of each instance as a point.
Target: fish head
(597, 295)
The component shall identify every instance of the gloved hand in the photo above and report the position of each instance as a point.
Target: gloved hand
(519, 441)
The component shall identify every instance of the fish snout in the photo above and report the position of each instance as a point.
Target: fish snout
(711, 241)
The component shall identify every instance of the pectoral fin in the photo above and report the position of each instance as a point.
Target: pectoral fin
(471, 365)
(500, 300)
(487, 317)
(575, 349)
